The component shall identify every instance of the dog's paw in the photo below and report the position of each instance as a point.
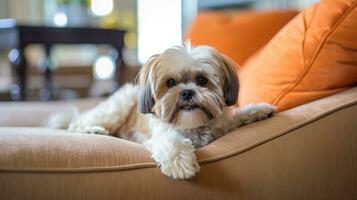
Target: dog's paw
(180, 162)
(98, 130)
(256, 112)
(264, 110)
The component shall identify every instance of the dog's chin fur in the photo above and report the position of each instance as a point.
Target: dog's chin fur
(192, 118)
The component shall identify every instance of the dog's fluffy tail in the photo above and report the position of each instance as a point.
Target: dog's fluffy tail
(61, 120)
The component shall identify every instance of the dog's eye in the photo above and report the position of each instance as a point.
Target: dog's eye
(170, 83)
(201, 80)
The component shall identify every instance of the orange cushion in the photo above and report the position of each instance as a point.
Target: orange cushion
(237, 34)
(313, 56)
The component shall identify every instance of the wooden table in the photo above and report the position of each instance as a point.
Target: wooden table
(17, 37)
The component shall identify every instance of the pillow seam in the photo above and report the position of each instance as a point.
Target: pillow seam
(317, 52)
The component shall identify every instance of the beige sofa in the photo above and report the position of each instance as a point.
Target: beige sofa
(308, 152)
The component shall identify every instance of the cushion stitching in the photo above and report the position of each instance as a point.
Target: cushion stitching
(307, 69)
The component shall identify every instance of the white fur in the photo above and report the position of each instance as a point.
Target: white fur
(108, 115)
(174, 154)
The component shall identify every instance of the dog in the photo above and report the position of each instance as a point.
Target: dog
(183, 99)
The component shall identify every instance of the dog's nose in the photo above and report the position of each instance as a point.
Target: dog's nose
(187, 94)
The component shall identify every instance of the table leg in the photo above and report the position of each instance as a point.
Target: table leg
(119, 64)
(19, 64)
(46, 93)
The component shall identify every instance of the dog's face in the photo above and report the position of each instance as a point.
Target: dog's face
(187, 88)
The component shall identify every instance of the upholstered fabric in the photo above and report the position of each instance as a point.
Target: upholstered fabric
(237, 34)
(313, 56)
(308, 152)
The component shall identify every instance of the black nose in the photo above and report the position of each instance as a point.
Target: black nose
(187, 94)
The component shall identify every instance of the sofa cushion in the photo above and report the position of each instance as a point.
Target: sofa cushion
(313, 56)
(235, 33)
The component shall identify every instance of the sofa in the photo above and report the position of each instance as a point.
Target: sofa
(306, 151)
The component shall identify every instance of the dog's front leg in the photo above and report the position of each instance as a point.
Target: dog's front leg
(229, 120)
(174, 154)
(236, 117)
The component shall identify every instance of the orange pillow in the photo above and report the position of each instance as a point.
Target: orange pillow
(313, 56)
(237, 34)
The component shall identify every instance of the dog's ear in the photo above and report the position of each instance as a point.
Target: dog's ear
(146, 101)
(144, 80)
(231, 82)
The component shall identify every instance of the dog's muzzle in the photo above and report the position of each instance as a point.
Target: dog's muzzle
(187, 95)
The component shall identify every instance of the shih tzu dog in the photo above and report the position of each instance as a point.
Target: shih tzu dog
(181, 101)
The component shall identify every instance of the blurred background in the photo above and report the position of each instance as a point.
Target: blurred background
(77, 70)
